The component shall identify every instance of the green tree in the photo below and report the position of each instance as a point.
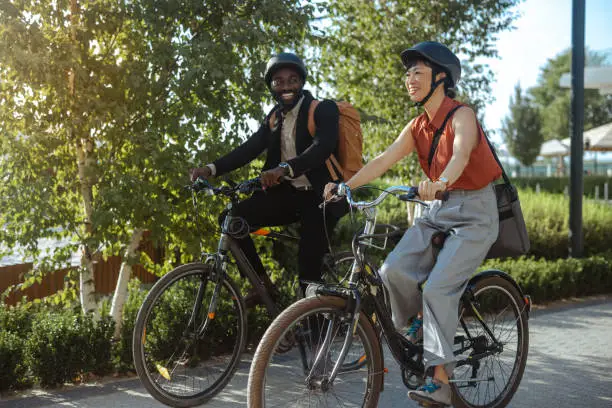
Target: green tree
(521, 130)
(361, 43)
(102, 106)
(554, 101)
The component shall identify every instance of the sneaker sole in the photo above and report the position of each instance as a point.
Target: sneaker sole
(427, 402)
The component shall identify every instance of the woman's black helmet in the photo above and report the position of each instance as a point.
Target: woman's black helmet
(436, 53)
(285, 60)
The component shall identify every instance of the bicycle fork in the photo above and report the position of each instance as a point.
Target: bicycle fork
(353, 314)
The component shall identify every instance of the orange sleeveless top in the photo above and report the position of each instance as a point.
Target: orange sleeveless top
(481, 169)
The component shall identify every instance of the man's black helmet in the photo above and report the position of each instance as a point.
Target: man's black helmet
(285, 60)
(437, 53)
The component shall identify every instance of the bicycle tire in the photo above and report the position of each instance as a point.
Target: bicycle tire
(285, 322)
(196, 354)
(487, 307)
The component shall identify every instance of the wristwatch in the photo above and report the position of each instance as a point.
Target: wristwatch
(444, 180)
(286, 167)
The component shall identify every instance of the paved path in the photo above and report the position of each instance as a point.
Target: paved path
(570, 365)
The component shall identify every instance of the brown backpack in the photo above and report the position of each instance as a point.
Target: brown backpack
(350, 140)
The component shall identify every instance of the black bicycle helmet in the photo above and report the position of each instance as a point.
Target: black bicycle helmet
(284, 60)
(437, 53)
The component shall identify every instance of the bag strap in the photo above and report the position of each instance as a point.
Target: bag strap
(332, 163)
(438, 134)
(504, 175)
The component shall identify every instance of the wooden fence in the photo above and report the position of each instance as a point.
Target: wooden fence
(106, 273)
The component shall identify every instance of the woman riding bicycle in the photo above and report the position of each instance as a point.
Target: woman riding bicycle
(463, 164)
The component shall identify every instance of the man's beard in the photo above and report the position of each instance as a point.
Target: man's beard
(287, 106)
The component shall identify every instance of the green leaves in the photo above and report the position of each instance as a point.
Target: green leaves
(554, 101)
(522, 128)
(140, 86)
(360, 54)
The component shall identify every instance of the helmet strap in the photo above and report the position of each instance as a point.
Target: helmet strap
(434, 85)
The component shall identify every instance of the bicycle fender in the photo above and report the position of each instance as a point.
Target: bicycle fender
(501, 274)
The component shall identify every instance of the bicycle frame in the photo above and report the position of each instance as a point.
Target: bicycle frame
(402, 350)
(219, 261)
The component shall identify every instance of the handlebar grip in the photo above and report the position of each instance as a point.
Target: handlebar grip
(442, 195)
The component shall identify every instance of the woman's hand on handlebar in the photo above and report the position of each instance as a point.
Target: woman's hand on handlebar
(330, 191)
(428, 189)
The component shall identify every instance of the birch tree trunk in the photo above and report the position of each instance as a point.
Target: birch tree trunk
(121, 290)
(85, 161)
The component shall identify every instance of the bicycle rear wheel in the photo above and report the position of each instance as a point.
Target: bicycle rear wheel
(184, 352)
(280, 380)
(494, 370)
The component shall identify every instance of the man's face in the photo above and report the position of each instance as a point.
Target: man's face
(286, 84)
(418, 81)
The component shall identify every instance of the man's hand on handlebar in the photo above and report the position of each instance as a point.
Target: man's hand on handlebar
(272, 177)
(203, 172)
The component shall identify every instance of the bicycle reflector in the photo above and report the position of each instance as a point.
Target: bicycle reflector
(164, 372)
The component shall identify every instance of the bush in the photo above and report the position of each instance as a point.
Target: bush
(547, 219)
(546, 216)
(12, 368)
(558, 184)
(122, 350)
(66, 344)
(547, 280)
(17, 319)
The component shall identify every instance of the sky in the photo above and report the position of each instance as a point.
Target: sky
(542, 31)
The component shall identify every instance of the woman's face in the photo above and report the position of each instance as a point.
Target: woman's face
(418, 81)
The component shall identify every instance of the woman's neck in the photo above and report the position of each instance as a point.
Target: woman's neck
(434, 102)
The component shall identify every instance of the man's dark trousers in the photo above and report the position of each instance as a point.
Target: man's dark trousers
(282, 205)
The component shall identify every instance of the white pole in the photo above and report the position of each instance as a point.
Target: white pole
(537, 188)
(606, 191)
(565, 191)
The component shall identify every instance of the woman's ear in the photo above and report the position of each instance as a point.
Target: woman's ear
(440, 76)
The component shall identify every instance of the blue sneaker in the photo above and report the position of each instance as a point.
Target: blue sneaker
(415, 332)
(433, 393)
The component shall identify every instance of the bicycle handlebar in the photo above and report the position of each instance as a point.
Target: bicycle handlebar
(244, 187)
(407, 194)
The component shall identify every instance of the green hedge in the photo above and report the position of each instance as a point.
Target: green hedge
(546, 216)
(65, 344)
(547, 280)
(558, 184)
(12, 367)
(547, 219)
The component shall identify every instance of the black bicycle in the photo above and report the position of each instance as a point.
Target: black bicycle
(192, 326)
(491, 343)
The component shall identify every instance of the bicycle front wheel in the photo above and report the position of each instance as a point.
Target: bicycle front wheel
(289, 380)
(496, 327)
(184, 350)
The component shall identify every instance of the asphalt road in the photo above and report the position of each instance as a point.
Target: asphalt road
(569, 365)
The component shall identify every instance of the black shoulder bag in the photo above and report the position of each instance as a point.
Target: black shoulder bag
(513, 239)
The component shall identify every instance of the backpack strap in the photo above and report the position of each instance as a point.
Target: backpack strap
(331, 162)
(438, 134)
(275, 118)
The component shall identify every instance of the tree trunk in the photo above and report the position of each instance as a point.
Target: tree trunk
(85, 162)
(86, 288)
(121, 290)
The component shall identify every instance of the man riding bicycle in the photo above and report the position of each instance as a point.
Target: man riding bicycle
(294, 173)
(464, 165)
